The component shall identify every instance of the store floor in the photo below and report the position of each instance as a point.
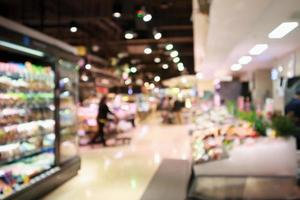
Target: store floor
(123, 172)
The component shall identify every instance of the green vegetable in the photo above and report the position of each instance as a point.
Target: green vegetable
(284, 126)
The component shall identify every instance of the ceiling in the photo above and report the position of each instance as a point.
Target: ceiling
(235, 26)
(98, 28)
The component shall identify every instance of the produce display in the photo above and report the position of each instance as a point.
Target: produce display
(26, 123)
(216, 132)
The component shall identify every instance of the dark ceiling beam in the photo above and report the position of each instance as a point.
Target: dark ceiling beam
(104, 27)
(156, 53)
(97, 59)
(175, 27)
(114, 25)
(65, 23)
(186, 53)
(63, 20)
(67, 19)
(110, 28)
(153, 41)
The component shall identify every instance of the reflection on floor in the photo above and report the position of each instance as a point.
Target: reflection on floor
(123, 172)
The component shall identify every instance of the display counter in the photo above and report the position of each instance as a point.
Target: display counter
(243, 187)
(231, 160)
(175, 180)
(224, 145)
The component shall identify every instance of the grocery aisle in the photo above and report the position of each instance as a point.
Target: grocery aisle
(123, 172)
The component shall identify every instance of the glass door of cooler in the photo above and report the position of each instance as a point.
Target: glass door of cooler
(68, 98)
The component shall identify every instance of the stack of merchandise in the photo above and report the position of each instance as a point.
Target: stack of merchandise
(16, 175)
(87, 115)
(26, 123)
(216, 133)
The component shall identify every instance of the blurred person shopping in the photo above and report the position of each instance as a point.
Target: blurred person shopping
(102, 119)
(166, 110)
(177, 110)
(292, 109)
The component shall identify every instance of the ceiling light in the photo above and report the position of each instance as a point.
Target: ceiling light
(84, 77)
(117, 14)
(95, 48)
(133, 69)
(156, 78)
(22, 48)
(152, 86)
(174, 54)
(176, 59)
(157, 35)
(283, 29)
(258, 49)
(180, 64)
(117, 9)
(199, 76)
(125, 75)
(165, 66)
(157, 60)
(280, 69)
(169, 47)
(139, 81)
(73, 27)
(88, 66)
(147, 17)
(180, 68)
(236, 67)
(244, 60)
(128, 81)
(146, 84)
(129, 35)
(148, 50)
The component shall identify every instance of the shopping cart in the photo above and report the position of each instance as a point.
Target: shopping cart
(117, 130)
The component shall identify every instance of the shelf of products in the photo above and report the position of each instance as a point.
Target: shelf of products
(26, 124)
(17, 175)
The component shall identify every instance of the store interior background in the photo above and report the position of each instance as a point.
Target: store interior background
(206, 53)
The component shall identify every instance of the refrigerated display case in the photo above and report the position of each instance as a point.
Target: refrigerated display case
(38, 97)
(68, 99)
(27, 123)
